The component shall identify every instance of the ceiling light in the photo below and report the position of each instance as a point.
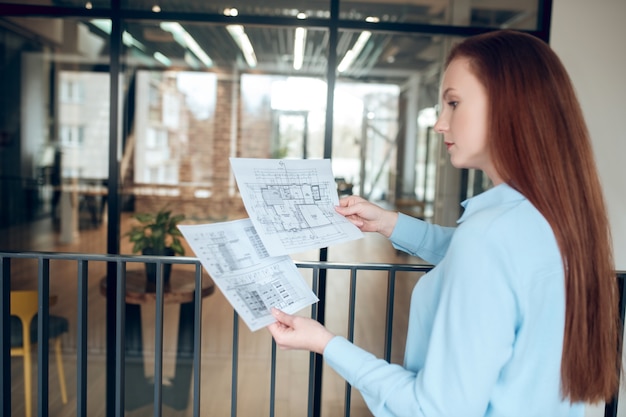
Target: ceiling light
(162, 59)
(128, 39)
(347, 60)
(191, 60)
(102, 24)
(353, 53)
(185, 40)
(301, 16)
(372, 19)
(231, 11)
(156, 8)
(241, 38)
(298, 48)
(88, 5)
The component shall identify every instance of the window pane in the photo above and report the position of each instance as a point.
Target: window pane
(54, 156)
(79, 4)
(384, 147)
(282, 8)
(514, 14)
(216, 92)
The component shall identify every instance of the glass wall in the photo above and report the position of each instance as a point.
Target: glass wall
(198, 83)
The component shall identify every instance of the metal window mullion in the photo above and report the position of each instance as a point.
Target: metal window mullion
(81, 357)
(112, 393)
(43, 330)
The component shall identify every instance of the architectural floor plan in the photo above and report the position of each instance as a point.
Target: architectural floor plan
(291, 203)
(250, 279)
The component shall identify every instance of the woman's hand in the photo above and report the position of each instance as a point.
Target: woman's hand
(367, 216)
(295, 332)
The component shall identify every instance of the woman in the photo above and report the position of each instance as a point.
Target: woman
(519, 316)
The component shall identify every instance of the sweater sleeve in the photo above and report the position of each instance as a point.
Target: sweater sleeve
(472, 337)
(380, 383)
(418, 238)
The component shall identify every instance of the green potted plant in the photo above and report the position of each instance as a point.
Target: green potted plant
(157, 234)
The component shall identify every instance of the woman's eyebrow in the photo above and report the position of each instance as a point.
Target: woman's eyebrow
(446, 92)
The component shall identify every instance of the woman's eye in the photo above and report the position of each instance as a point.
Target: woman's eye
(453, 104)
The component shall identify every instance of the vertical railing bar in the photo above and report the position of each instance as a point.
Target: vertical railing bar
(235, 365)
(43, 330)
(158, 342)
(315, 271)
(197, 339)
(622, 315)
(352, 304)
(120, 338)
(81, 357)
(273, 379)
(5, 336)
(610, 407)
(391, 289)
(351, 320)
(317, 357)
(315, 287)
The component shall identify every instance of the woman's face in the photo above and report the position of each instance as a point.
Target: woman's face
(463, 119)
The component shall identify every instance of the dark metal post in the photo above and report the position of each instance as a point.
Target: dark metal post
(5, 336)
(610, 408)
(113, 225)
(81, 357)
(316, 400)
(43, 276)
(544, 19)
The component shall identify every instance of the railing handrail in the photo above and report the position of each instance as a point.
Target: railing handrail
(75, 256)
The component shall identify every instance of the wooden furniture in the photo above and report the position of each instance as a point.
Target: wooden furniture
(139, 291)
(24, 307)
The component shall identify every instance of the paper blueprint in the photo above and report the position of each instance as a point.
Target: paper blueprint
(291, 203)
(251, 280)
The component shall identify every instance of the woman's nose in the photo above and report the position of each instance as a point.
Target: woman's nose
(440, 125)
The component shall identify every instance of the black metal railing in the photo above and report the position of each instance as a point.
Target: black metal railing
(117, 338)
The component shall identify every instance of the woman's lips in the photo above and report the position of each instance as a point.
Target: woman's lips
(448, 145)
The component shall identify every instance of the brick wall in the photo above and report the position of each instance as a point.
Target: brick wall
(205, 160)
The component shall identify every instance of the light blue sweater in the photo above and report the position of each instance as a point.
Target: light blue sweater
(485, 331)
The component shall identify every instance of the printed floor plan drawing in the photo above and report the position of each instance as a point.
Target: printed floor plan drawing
(291, 203)
(250, 279)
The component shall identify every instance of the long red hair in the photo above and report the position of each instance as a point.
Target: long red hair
(540, 145)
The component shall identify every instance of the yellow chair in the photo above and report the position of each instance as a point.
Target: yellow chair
(24, 322)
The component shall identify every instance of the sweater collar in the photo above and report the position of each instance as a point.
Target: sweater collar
(500, 194)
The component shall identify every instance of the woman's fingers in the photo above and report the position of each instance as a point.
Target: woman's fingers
(282, 330)
(294, 332)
